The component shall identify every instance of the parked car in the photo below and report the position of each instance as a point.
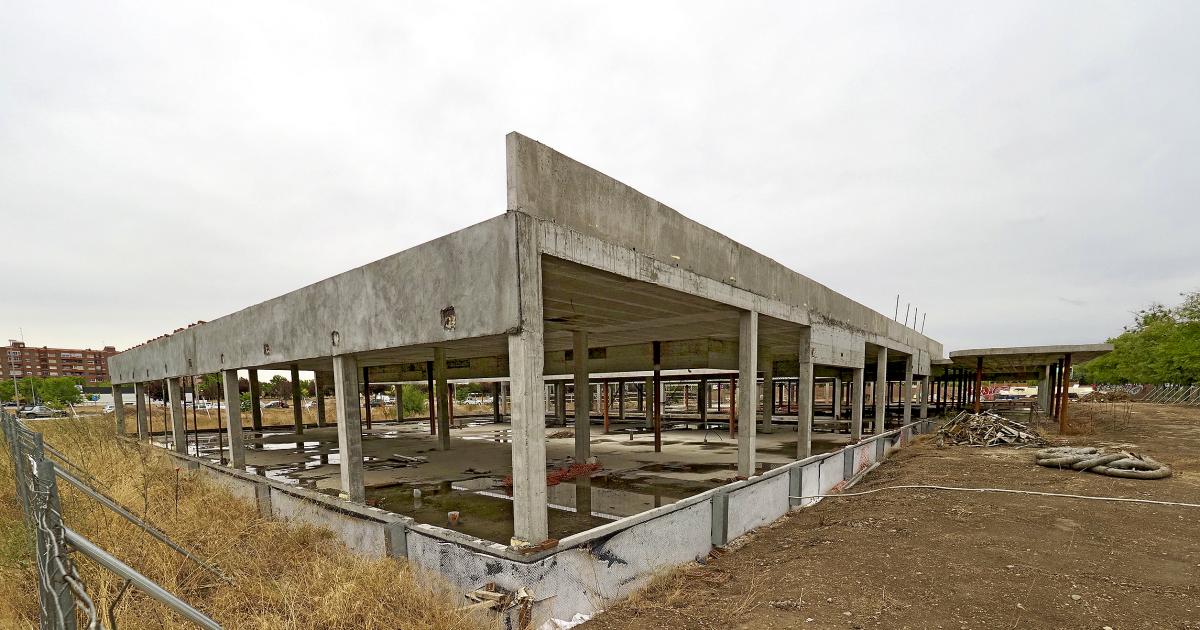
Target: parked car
(275, 404)
(109, 408)
(39, 411)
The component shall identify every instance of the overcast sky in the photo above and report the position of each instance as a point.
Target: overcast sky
(1026, 173)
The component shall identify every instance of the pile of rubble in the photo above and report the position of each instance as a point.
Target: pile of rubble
(987, 429)
(1116, 395)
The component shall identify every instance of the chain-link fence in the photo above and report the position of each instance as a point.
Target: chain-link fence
(63, 597)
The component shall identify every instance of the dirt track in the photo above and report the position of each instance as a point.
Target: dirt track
(933, 559)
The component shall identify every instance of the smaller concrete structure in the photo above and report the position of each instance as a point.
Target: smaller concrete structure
(1051, 365)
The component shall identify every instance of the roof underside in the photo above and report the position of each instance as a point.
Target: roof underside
(1026, 360)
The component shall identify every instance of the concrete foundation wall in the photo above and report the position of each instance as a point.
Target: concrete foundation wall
(362, 536)
(756, 505)
(393, 302)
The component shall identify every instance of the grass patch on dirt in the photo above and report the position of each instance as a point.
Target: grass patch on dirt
(284, 575)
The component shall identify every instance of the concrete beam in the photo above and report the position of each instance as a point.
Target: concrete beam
(748, 377)
(237, 449)
(349, 427)
(583, 397)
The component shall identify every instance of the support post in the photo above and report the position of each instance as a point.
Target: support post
(924, 398)
(297, 411)
(443, 399)
(767, 367)
(648, 396)
(118, 409)
(879, 393)
(429, 393)
(804, 395)
(1043, 399)
(349, 427)
(702, 399)
(656, 352)
(604, 403)
(1066, 395)
(856, 404)
(526, 362)
(560, 403)
(237, 448)
(621, 401)
(837, 398)
(178, 421)
(318, 384)
(366, 395)
(255, 400)
(583, 397)
(143, 411)
(398, 390)
(908, 383)
(497, 398)
(748, 377)
(978, 384)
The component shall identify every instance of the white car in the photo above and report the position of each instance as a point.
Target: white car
(109, 408)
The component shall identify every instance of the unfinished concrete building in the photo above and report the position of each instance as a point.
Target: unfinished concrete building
(582, 280)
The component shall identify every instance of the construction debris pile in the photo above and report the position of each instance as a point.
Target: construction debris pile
(987, 429)
(1116, 395)
(495, 598)
(1120, 464)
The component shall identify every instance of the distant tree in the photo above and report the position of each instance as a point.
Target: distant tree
(279, 387)
(1161, 346)
(60, 391)
(415, 399)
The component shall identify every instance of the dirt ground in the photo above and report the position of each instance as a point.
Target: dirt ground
(936, 559)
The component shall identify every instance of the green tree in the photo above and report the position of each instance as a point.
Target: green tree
(1161, 346)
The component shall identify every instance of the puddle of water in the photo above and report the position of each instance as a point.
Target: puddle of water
(485, 508)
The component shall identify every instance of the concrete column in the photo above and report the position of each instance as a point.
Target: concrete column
(560, 403)
(443, 399)
(908, 381)
(583, 397)
(880, 391)
(118, 409)
(978, 395)
(621, 400)
(349, 427)
(525, 364)
(924, 397)
(648, 398)
(767, 367)
(497, 402)
(804, 396)
(748, 377)
(255, 401)
(702, 399)
(233, 404)
(178, 421)
(318, 383)
(297, 411)
(143, 411)
(856, 404)
(525, 368)
(1044, 389)
(399, 391)
(837, 397)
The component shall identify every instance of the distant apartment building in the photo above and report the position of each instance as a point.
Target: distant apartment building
(19, 360)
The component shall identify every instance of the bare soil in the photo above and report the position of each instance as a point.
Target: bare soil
(937, 559)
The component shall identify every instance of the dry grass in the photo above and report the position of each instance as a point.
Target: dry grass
(277, 418)
(284, 575)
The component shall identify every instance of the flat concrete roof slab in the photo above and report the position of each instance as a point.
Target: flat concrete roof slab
(1027, 358)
